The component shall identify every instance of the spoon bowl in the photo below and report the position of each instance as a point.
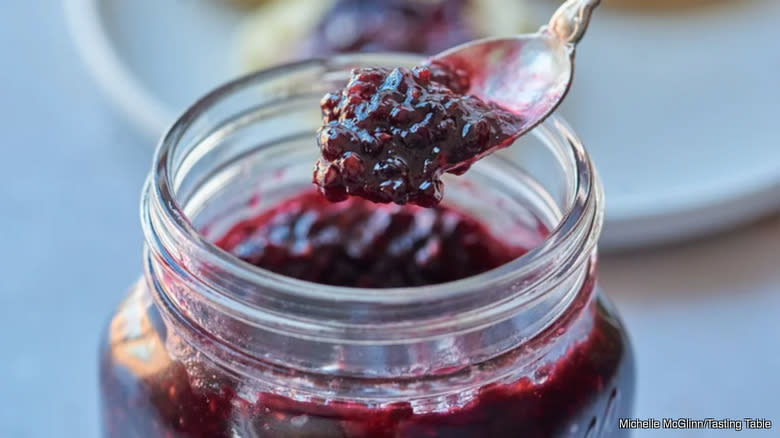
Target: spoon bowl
(528, 74)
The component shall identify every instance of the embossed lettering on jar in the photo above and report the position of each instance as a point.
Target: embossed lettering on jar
(241, 339)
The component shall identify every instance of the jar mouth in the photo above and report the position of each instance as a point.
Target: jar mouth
(574, 237)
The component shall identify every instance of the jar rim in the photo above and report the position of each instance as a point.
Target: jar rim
(584, 210)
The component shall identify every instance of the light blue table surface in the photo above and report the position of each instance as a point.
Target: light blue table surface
(705, 316)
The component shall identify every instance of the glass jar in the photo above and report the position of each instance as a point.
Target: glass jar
(206, 345)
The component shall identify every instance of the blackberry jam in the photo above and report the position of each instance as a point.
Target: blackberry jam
(388, 135)
(360, 244)
(267, 311)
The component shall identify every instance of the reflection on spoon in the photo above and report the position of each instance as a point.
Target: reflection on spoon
(529, 74)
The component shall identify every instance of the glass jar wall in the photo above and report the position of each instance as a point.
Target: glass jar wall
(206, 345)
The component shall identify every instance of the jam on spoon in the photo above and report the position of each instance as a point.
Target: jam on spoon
(389, 135)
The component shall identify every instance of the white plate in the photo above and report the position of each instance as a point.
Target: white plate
(153, 58)
(680, 113)
(678, 110)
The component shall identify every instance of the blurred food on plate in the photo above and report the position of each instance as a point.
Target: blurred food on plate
(281, 30)
(243, 3)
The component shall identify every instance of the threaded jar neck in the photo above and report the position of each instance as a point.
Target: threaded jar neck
(214, 163)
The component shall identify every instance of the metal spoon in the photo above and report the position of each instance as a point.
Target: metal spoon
(531, 73)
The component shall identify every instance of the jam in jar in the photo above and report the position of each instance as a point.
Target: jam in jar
(266, 310)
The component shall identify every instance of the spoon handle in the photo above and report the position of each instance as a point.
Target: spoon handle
(571, 20)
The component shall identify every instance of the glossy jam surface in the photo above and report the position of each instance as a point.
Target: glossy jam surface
(578, 388)
(389, 135)
(358, 243)
(413, 26)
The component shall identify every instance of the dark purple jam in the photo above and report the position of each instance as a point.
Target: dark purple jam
(578, 391)
(414, 26)
(360, 244)
(389, 135)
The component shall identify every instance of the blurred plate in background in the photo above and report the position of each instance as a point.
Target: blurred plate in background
(153, 58)
(677, 108)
